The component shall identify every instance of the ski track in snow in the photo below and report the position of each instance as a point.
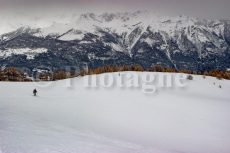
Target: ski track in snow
(194, 119)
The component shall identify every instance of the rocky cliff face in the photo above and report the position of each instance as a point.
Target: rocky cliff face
(120, 39)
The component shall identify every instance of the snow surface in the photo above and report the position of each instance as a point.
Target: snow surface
(193, 119)
(30, 53)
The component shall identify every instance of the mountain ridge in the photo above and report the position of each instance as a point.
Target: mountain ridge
(122, 39)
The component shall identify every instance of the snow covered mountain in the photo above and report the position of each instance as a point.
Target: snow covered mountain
(120, 38)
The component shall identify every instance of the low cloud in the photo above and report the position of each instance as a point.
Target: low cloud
(210, 8)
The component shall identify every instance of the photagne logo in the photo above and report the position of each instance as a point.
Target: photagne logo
(147, 82)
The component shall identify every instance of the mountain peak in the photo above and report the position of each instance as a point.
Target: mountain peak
(180, 41)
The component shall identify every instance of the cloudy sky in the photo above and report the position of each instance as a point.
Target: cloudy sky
(210, 8)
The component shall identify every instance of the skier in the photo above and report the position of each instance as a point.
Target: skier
(35, 92)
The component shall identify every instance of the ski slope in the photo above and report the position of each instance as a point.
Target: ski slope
(64, 119)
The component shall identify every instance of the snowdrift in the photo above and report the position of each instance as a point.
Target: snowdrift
(75, 119)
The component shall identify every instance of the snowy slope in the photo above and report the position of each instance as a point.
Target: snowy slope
(30, 53)
(193, 119)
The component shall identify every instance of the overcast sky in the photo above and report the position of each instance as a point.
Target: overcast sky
(210, 8)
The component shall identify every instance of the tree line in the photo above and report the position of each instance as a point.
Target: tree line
(13, 74)
(157, 68)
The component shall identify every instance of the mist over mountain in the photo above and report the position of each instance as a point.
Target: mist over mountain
(200, 8)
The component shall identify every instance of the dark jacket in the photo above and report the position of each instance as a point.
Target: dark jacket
(35, 91)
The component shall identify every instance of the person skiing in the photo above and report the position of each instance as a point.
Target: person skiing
(35, 92)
